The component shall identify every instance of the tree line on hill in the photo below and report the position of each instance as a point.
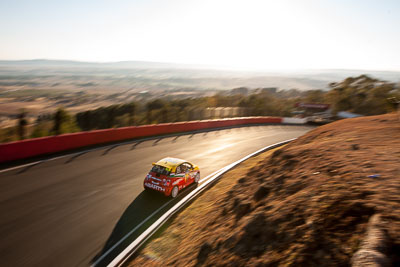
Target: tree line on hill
(363, 95)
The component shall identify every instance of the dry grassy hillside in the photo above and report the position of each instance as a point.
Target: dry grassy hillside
(310, 203)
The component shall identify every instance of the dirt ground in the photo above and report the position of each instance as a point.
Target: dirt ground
(309, 203)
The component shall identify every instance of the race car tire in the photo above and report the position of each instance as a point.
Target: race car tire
(174, 192)
(197, 178)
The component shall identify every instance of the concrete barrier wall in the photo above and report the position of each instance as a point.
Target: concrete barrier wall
(294, 120)
(52, 144)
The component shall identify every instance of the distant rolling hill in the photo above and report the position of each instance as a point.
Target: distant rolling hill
(171, 76)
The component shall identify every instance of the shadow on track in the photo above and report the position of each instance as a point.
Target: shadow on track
(136, 144)
(144, 205)
(29, 167)
(74, 157)
(109, 149)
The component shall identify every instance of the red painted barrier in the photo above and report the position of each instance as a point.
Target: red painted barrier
(52, 144)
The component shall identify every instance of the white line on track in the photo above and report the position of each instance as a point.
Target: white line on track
(34, 163)
(128, 234)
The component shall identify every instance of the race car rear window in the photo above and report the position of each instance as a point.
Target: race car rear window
(160, 170)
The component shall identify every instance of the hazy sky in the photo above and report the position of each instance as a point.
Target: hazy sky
(279, 34)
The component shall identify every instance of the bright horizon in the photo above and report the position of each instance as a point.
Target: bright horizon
(248, 35)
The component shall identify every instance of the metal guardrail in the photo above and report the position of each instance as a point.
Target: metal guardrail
(142, 238)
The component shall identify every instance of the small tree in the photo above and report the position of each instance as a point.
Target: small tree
(153, 105)
(165, 111)
(63, 122)
(41, 129)
(131, 111)
(22, 122)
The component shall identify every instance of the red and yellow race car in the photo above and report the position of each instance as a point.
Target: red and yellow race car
(170, 175)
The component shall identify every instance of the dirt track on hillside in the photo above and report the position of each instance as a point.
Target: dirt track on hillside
(306, 204)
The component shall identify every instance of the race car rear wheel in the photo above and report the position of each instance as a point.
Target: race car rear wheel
(174, 192)
(197, 178)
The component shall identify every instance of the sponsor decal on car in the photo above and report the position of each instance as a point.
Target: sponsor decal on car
(176, 182)
(166, 182)
(177, 175)
(156, 187)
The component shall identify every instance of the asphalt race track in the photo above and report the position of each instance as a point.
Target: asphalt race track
(70, 210)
